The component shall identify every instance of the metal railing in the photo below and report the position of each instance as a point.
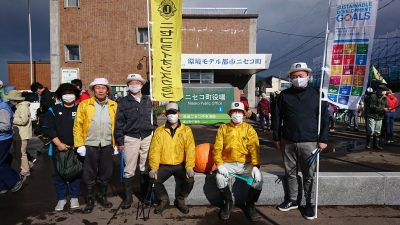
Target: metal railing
(213, 11)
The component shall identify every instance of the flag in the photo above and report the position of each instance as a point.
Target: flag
(375, 75)
(167, 44)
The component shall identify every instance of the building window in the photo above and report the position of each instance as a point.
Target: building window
(73, 53)
(198, 76)
(142, 35)
(71, 3)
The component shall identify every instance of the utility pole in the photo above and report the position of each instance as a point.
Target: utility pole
(30, 41)
(280, 74)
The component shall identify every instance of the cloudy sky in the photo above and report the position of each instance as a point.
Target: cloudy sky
(299, 17)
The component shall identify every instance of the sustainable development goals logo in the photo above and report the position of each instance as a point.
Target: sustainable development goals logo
(353, 12)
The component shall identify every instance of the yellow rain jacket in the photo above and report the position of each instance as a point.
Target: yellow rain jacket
(236, 144)
(168, 150)
(83, 120)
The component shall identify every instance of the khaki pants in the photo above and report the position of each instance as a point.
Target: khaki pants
(374, 127)
(136, 148)
(19, 153)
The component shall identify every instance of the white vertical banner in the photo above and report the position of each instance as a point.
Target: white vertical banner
(349, 45)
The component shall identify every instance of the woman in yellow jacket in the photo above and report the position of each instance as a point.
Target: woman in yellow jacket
(237, 151)
(172, 152)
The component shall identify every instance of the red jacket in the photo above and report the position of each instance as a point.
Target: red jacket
(392, 102)
(264, 105)
(84, 95)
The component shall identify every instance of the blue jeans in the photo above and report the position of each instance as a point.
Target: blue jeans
(389, 120)
(262, 117)
(352, 114)
(8, 176)
(61, 185)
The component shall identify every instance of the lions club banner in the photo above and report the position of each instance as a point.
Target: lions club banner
(349, 45)
(167, 44)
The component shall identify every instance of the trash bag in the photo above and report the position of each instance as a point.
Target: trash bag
(68, 165)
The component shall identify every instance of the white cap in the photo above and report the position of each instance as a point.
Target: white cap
(1, 82)
(300, 66)
(236, 105)
(172, 106)
(102, 81)
(135, 76)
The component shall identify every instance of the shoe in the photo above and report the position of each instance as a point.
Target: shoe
(269, 129)
(89, 199)
(3, 191)
(18, 185)
(226, 195)
(164, 201)
(180, 204)
(60, 205)
(128, 183)
(74, 203)
(31, 164)
(288, 205)
(331, 130)
(103, 195)
(309, 214)
(356, 130)
(376, 143)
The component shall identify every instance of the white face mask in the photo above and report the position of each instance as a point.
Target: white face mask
(172, 118)
(68, 98)
(384, 92)
(237, 117)
(300, 82)
(13, 102)
(134, 88)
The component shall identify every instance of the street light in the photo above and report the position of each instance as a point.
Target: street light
(30, 41)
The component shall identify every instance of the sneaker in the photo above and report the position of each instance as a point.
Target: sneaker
(60, 205)
(31, 164)
(288, 205)
(18, 185)
(74, 203)
(331, 130)
(309, 214)
(3, 191)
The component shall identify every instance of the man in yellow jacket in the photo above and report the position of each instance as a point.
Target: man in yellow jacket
(94, 139)
(237, 151)
(172, 153)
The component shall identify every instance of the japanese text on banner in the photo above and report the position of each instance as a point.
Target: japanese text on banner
(167, 45)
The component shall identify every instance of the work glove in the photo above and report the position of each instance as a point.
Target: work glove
(223, 171)
(153, 174)
(116, 152)
(189, 173)
(81, 151)
(256, 174)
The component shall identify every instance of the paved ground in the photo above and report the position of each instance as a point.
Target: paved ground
(35, 202)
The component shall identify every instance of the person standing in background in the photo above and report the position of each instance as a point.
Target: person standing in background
(264, 109)
(390, 116)
(84, 94)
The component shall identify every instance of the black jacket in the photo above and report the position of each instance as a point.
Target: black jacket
(46, 100)
(133, 118)
(298, 110)
(59, 122)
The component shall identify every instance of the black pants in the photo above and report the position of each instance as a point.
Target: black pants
(332, 122)
(98, 164)
(179, 171)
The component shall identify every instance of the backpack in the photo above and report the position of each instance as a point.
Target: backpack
(68, 165)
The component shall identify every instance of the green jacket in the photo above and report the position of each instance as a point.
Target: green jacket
(2, 94)
(376, 104)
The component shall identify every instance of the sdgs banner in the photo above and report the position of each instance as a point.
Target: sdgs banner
(349, 45)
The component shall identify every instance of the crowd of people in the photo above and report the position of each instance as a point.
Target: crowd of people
(89, 130)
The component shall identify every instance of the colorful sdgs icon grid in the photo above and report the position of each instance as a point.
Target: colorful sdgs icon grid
(348, 67)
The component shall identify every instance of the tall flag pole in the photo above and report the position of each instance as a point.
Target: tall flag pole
(167, 49)
(352, 28)
(149, 58)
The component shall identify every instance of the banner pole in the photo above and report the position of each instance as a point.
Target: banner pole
(320, 104)
(149, 58)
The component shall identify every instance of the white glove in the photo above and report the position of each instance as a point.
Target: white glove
(81, 151)
(116, 151)
(223, 170)
(256, 174)
(153, 174)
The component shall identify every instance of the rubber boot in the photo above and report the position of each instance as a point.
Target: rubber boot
(180, 201)
(89, 199)
(102, 195)
(128, 183)
(164, 201)
(226, 195)
(252, 197)
(376, 143)
(368, 144)
(144, 187)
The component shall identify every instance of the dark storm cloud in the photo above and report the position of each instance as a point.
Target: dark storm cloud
(301, 17)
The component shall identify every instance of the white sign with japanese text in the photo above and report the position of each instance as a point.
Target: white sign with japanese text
(225, 61)
(69, 74)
